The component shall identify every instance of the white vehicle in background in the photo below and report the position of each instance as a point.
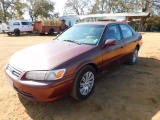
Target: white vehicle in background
(0, 26)
(4, 27)
(19, 26)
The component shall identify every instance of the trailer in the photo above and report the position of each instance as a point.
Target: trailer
(49, 26)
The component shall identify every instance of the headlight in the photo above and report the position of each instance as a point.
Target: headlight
(45, 75)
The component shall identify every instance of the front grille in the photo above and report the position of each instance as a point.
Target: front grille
(14, 71)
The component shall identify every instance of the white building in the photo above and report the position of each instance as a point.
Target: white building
(72, 19)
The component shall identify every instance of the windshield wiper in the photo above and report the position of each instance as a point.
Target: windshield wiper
(74, 41)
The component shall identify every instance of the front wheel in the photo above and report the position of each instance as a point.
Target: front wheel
(9, 33)
(134, 57)
(84, 83)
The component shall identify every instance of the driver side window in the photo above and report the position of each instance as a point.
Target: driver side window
(113, 33)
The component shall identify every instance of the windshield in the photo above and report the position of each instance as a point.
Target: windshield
(83, 34)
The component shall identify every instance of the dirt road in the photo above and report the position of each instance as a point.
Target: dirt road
(125, 93)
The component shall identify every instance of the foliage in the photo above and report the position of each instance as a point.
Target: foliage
(111, 6)
(76, 6)
(10, 9)
(14, 9)
(153, 21)
(40, 9)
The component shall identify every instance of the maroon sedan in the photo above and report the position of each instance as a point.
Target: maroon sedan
(70, 63)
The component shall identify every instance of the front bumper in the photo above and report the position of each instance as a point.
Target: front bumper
(42, 91)
(6, 31)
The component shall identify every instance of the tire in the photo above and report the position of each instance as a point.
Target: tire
(82, 87)
(9, 33)
(17, 32)
(133, 58)
(51, 31)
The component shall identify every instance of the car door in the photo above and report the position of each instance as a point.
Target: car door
(112, 54)
(129, 40)
(15, 25)
(24, 26)
(27, 26)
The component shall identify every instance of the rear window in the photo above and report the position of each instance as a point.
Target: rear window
(126, 31)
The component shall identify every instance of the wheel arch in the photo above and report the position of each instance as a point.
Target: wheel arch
(94, 66)
(16, 29)
(52, 29)
(138, 46)
(88, 63)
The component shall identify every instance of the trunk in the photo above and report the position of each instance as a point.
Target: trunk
(146, 7)
(31, 18)
(4, 11)
(4, 16)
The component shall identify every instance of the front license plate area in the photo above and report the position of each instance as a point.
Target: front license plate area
(10, 82)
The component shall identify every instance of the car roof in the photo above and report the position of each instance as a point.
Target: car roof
(19, 21)
(99, 23)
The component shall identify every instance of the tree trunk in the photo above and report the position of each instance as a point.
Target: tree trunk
(4, 11)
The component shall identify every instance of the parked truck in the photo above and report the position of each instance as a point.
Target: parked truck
(49, 26)
(19, 26)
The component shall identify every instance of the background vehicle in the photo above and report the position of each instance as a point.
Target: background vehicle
(4, 27)
(49, 26)
(19, 26)
(0, 26)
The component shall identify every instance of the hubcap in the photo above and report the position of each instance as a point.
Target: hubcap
(86, 83)
(135, 55)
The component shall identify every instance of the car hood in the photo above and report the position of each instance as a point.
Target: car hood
(46, 56)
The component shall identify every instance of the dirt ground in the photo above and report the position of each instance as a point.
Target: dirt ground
(124, 93)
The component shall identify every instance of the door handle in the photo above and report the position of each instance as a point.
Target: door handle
(122, 46)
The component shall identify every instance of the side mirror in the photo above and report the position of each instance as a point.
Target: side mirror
(110, 42)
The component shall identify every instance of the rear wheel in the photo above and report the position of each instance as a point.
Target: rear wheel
(84, 83)
(51, 31)
(9, 33)
(17, 32)
(134, 57)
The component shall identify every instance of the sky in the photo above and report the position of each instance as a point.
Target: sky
(59, 7)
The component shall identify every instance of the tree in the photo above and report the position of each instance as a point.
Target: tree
(120, 6)
(18, 9)
(40, 9)
(1, 14)
(76, 7)
(97, 7)
(147, 5)
(11, 9)
(5, 5)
